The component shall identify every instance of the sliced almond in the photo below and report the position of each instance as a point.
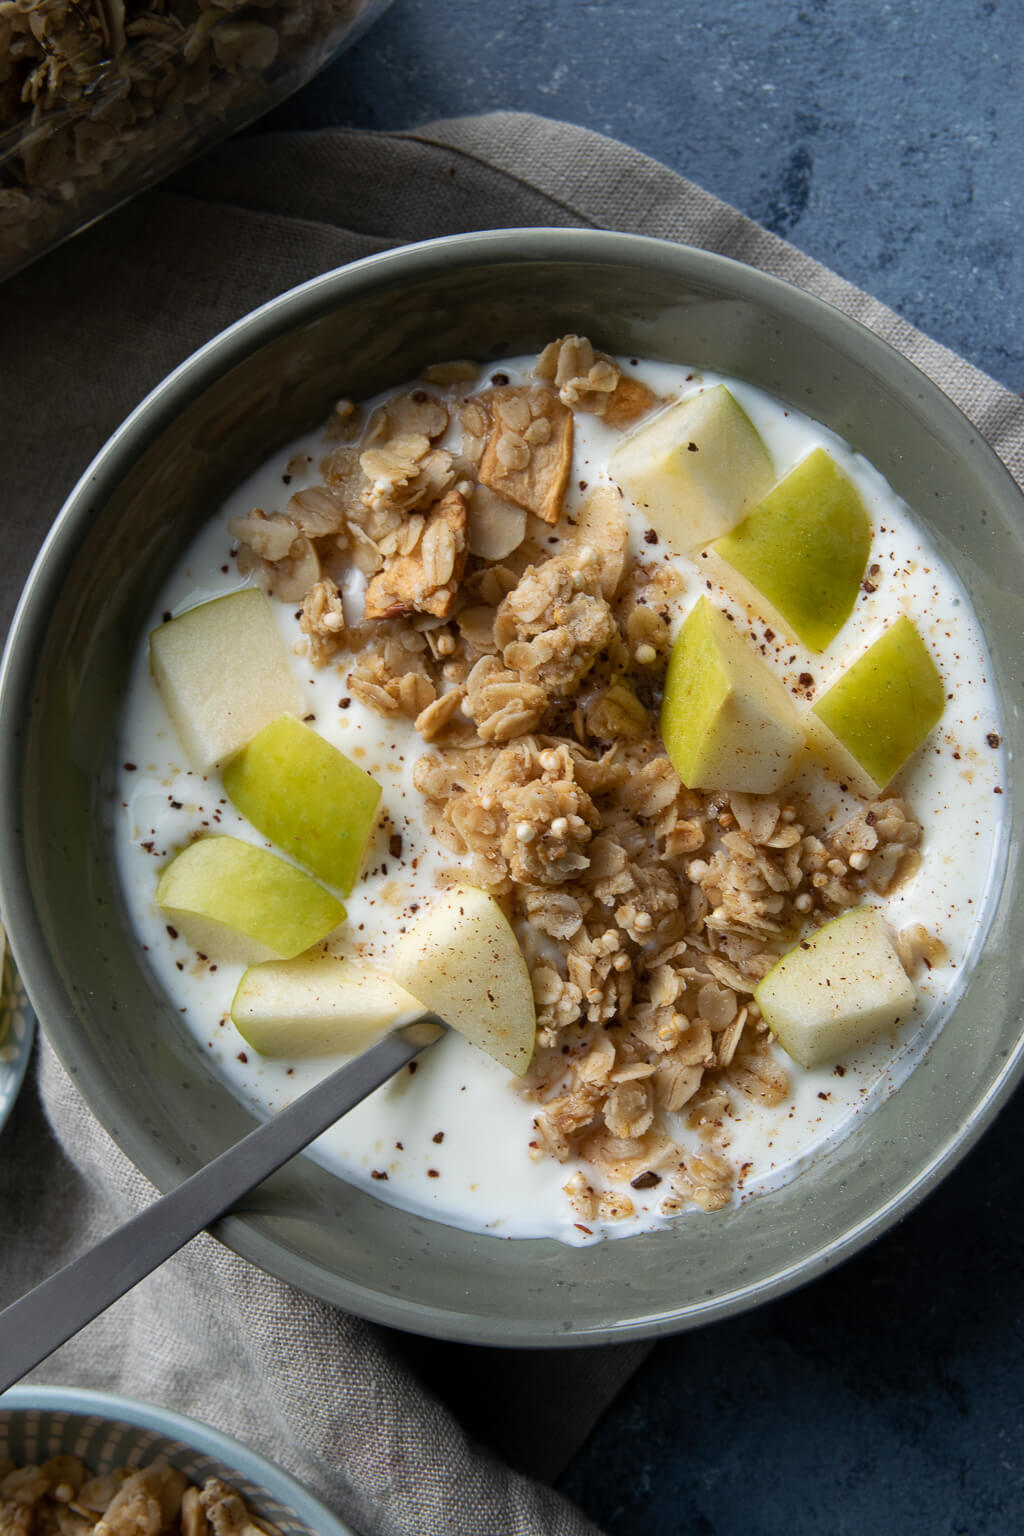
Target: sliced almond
(496, 526)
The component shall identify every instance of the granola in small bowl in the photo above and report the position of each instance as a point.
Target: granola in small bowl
(61, 1494)
(83, 1463)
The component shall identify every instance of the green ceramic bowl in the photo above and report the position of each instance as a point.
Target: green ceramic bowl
(263, 382)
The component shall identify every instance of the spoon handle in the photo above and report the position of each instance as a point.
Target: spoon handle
(34, 1326)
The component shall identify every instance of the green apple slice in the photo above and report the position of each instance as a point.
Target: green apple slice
(840, 988)
(223, 671)
(317, 1005)
(727, 721)
(235, 901)
(803, 549)
(880, 711)
(462, 960)
(696, 469)
(308, 797)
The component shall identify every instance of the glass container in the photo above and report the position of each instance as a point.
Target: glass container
(101, 98)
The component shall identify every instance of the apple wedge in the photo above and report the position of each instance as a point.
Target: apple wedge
(840, 988)
(874, 718)
(238, 902)
(223, 672)
(802, 551)
(727, 721)
(462, 960)
(317, 1005)
(696, 469)
(308, 797)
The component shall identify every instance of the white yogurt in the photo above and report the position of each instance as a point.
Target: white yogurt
(451, 1138)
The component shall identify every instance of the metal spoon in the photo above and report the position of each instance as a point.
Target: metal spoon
(32, 1328)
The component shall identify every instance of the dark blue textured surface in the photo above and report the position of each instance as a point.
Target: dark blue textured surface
(887, 1397)
(887, 140)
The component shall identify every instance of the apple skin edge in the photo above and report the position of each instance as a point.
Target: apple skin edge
(307, 797)
(245, 902)
(799, 557)
(222, 672)
(727, 722)
(872, 720)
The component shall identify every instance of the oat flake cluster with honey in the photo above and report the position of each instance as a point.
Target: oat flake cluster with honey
(529, 649)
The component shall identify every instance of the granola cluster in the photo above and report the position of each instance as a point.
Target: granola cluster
(61, 1497)
(530, 652)
(97, 96)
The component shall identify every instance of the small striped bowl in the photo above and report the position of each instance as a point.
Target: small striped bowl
(109, 1432)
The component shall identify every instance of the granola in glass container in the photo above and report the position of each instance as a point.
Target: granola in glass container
(101, 98)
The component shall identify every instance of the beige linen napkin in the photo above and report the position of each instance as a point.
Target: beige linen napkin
(83, 335)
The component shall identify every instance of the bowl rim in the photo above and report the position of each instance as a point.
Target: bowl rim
(194, 1433)
(288, 311)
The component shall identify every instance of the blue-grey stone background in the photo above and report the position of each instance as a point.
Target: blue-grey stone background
(887, 140)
